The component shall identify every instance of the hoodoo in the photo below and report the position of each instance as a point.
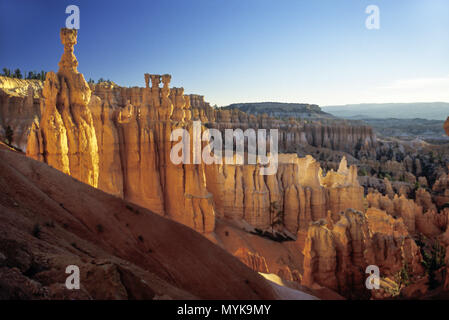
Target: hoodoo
(340, 200)
(66, 137)
(118, 139)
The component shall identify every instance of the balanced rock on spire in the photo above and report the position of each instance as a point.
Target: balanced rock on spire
(66, 127)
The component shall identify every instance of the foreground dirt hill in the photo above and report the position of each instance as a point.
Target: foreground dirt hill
(49, 220)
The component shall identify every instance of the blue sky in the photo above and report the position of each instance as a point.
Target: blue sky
(311, 51)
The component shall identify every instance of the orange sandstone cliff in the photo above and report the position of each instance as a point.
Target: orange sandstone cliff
(123, 151)
(307, 225)
(118, 139)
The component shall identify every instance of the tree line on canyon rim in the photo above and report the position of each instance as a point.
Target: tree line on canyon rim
(34, 75)
(17, 74)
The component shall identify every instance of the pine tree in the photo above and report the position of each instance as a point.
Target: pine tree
(17, 74)
(6, 72)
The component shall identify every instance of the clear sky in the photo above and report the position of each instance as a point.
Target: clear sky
(311, 51)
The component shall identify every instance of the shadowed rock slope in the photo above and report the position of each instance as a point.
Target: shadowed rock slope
(49, 220)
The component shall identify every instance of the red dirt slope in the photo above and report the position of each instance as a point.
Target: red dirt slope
(49, 220)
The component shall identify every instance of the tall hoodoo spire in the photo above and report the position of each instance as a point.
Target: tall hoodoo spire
(67, 134)
(68, 61)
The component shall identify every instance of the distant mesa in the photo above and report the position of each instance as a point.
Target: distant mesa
(282, 110)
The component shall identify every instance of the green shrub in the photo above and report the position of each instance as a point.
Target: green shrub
(403, 277)
(363, 172)
(433, 260)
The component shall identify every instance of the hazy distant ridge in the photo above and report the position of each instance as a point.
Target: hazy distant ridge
(428, 110)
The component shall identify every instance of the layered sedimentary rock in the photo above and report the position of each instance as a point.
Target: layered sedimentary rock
(392, 244)
(424, 199)
(293, 133)
(140, 138)
(66, 134)
(402, 207)
(297, 195)
(253, 260)
(419, 215)
(336, 255)
(119, 140)
(440, 190)
(48, 140)
(20, 106)
(110, 177)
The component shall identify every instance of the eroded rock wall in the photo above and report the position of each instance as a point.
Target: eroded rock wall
(293, 133)
(337, 255)
(118, 139)
(292, 198)
(66, 136)
(20, 106)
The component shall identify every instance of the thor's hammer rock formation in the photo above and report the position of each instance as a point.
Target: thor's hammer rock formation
(65, 137)
(119, 141)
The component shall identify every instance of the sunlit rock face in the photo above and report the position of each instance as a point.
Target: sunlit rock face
(48, 140)
(298, 192)
(337, 254)
(67, 136)
(118, 139)
(20, 107)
